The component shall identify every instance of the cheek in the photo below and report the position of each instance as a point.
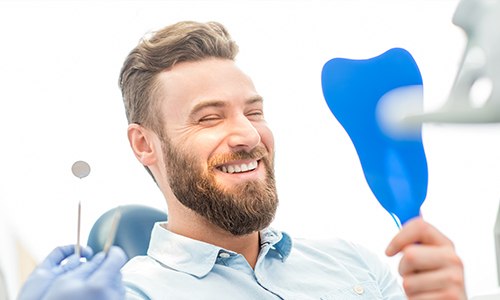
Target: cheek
(266, 137)
(203, 146)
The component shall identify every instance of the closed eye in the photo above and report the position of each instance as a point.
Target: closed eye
(209, 119)
(255, 115)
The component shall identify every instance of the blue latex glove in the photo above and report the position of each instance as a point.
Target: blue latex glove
(99, 278)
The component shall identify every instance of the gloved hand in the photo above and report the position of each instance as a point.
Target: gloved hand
(99, 278)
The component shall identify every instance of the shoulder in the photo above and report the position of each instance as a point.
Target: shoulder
(145, 270)
(146, 278)
(142, 276)
(138, 264)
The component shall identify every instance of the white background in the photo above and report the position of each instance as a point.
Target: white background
(60, 102)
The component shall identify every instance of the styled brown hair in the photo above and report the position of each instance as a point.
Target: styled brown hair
(180, 42)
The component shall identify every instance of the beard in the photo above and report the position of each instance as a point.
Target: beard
(240, 210)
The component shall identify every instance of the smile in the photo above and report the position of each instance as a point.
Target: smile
(239, 168)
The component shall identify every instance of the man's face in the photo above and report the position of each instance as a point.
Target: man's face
(217, 148)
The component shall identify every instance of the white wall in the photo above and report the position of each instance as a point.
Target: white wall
(59, 64)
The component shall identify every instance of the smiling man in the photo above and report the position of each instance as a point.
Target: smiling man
(216, 148)
(197, 124)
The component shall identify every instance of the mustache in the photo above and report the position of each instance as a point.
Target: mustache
(256, 153)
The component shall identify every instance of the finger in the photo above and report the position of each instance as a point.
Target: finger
(416, 231)
(86, 251)
(418, 258)
(115, 259)
(433, 282)
(74, 260)
(58, 255)
(85, 270)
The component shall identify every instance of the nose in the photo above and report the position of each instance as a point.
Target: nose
(242, 134)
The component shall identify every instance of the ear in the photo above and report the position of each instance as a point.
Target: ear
(142, 141)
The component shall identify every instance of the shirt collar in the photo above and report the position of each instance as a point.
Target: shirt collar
(279, 241)
(198, 258)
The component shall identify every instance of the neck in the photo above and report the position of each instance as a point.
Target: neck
(195, 227)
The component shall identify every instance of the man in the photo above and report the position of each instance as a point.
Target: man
(196, 122)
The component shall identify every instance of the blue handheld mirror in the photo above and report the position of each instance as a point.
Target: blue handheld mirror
(369, 98)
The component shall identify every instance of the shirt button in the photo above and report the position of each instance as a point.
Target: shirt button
(224, 255)
(358, 289)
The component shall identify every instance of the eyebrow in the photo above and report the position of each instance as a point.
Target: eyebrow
(220, 103)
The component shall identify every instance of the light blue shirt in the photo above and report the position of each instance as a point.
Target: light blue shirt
(178, 267)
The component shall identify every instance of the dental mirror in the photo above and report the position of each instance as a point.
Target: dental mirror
(80, 169)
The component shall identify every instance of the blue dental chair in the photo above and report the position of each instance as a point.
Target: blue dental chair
(133, 230)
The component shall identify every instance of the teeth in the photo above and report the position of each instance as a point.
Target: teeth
(239, 168)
